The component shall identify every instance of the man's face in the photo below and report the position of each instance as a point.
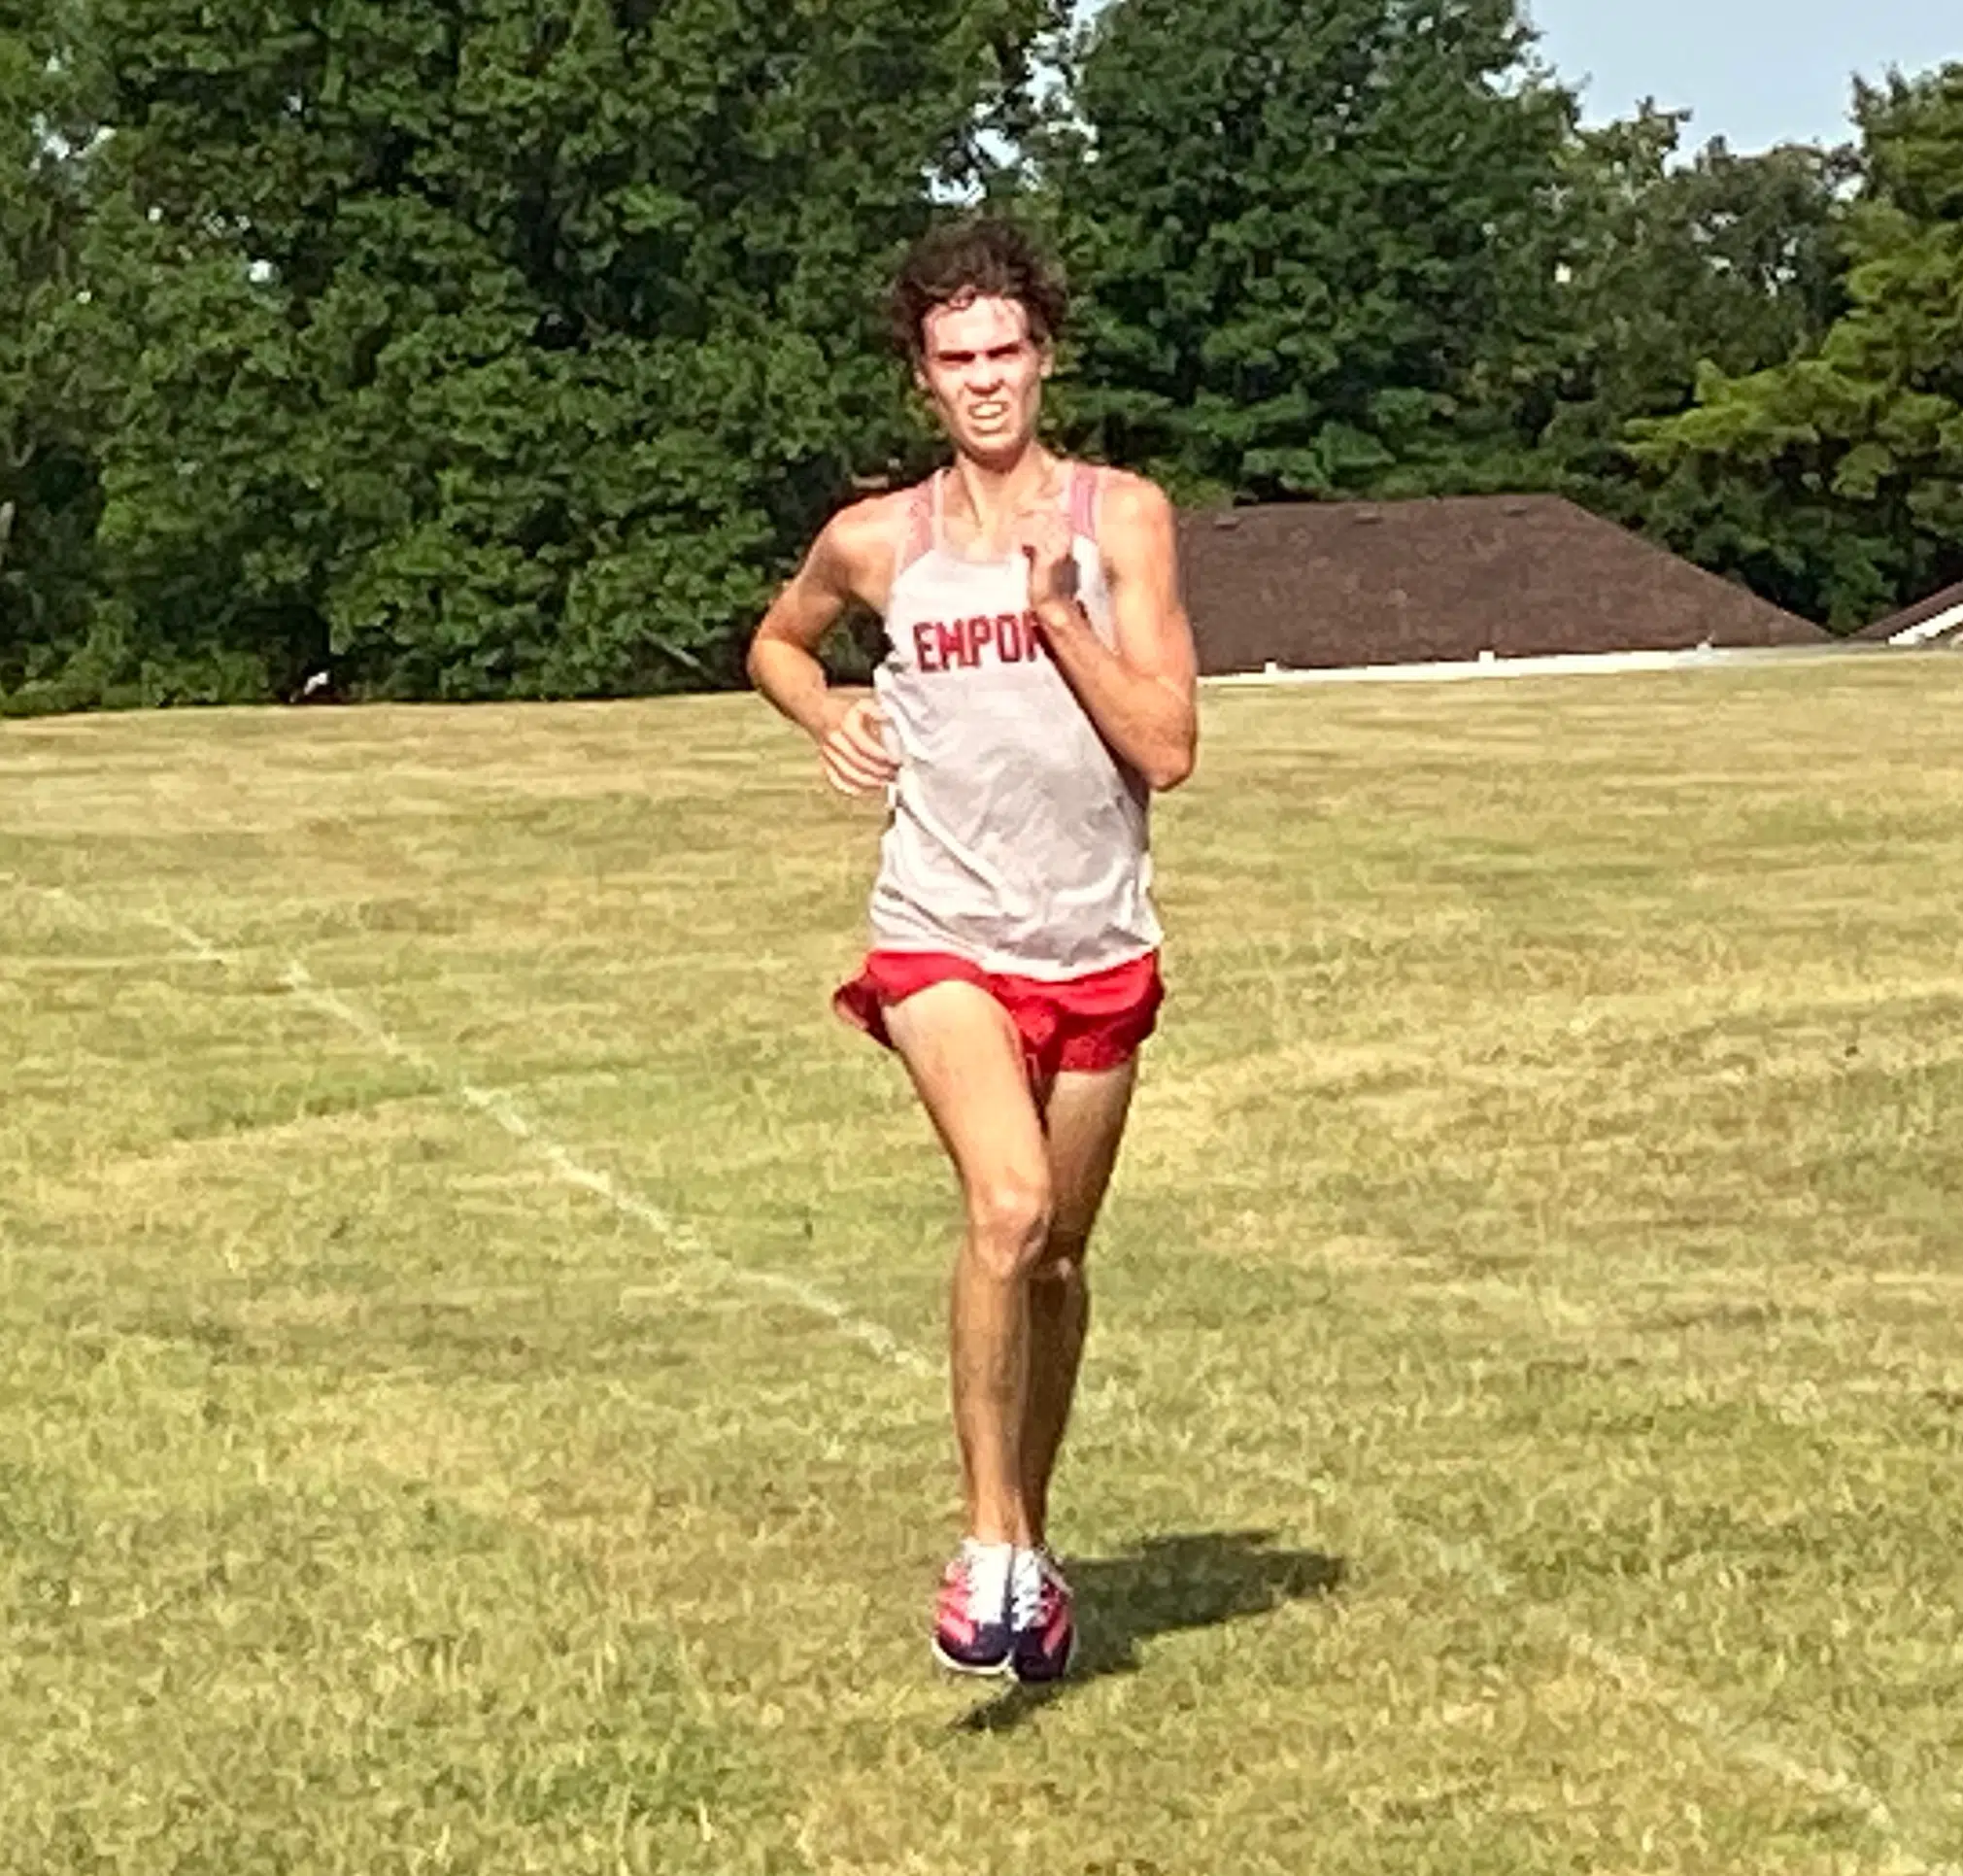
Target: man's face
(985, 375)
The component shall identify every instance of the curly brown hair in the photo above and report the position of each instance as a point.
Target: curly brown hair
(983, 257)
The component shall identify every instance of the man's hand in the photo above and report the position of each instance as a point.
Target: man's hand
(1043, 538)
(1138, 686)
(853, 747)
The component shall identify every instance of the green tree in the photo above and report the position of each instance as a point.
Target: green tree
(1731, 260)
(509, 348)
(1834, 483)
(1320, 243)
(47, 482)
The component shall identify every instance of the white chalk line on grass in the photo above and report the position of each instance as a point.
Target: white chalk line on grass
(1632, 1676)
(679, 1237)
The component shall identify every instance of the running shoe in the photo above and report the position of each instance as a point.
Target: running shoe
(971, 1620)
(1043, 1617)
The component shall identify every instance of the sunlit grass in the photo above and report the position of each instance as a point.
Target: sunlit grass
(1522, 1426)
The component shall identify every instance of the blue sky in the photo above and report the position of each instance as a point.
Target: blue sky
(1754, 72)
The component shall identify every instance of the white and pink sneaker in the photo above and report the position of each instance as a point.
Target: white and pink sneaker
(1042, 1620)
(971, 1619)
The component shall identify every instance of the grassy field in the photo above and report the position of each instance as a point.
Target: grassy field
(470, 1396)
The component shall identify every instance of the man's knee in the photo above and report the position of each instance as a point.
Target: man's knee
(1009, 1220)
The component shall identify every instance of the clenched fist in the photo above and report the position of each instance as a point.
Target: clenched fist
(1042, 536)
(853, 749)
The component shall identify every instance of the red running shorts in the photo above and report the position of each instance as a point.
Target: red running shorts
(1077, 1026)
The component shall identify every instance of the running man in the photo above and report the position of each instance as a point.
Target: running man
(1039, 685)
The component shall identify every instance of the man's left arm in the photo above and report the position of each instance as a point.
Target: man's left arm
(1142, 693)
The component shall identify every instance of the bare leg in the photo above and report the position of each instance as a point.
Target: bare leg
(967, 1062)
(1086, 1121)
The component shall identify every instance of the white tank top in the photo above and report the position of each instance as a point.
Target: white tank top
(1017, 840)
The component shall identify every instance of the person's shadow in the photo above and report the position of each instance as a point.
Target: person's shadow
(1194, 1579)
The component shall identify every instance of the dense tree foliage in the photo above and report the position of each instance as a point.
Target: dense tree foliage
(1361, 249)
(500, 348)
(47, 482)
(1319, 240)
(1834, 481)
(514, 348)
(1727, 260)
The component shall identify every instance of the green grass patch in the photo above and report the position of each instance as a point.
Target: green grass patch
(1522, 1426)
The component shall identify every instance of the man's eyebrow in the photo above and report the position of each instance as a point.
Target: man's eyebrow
(951, 353)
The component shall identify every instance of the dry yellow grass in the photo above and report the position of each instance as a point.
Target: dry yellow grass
(1521, 1432)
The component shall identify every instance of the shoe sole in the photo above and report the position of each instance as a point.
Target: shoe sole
(1000, 1670)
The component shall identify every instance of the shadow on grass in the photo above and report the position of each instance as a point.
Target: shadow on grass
(1194, 1579)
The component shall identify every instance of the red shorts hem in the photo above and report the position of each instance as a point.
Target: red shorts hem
(1084, 1025)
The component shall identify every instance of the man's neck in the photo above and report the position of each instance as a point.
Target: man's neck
(997, 492)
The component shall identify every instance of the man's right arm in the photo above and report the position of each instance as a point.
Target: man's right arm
(783, 661)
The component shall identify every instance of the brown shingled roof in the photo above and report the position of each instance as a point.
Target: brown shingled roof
(1328, 584)
(1949, 599)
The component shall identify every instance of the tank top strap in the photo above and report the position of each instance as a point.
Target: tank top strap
(1083, 498)
(916, 533)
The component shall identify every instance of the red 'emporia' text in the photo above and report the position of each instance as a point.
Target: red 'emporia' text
(961, 644)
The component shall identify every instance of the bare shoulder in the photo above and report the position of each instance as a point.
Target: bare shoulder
(865, 523)
(1134, 503)
(1138, 528)
(1138, 531)
(855, 551)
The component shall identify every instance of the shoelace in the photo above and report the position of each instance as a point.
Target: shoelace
(1031, 1593)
